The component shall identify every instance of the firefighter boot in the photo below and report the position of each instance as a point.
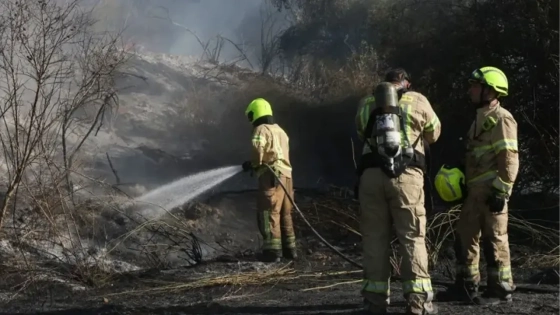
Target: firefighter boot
(270, 255)
(494, 295)
(420, 304)
(462, 291)
(290, 253)
(467, 291)
(500, 286)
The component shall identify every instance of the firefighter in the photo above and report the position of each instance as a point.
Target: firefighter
(491, 167)
(394, 124)
(271, 147)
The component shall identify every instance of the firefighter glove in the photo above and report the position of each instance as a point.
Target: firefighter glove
(247, 166)
(497, 201)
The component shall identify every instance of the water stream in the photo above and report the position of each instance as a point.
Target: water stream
(183, 190)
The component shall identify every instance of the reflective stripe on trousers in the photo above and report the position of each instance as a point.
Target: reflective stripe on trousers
(469, 273)
(272, 244)
(379, 287)
(504, 276)
(409, 286)
(417, 286)
(502, 273)
(289, 241)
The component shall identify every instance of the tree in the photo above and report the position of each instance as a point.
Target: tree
(441, 43)
(56, 84)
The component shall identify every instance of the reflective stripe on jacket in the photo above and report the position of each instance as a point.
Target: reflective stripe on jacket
(418, 114)
(492, 149)
(271, 146)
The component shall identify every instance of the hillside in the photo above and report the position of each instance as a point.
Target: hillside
(156, 103)
(177, 116)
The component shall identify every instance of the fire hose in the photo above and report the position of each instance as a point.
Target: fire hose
(519, 288)
(289, 195)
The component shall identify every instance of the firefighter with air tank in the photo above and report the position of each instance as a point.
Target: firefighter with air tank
(395, 124)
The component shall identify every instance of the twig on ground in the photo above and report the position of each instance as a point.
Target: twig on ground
(332, 285)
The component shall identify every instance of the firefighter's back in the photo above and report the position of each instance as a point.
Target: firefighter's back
(278, 148)
(391, 193)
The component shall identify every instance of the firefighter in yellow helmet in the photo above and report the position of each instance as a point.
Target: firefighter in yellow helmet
(271, 147)
(394, 124)
(491, 167)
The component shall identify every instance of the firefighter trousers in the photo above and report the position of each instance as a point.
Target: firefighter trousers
(275, 212)
(385, 202)
(477, 223)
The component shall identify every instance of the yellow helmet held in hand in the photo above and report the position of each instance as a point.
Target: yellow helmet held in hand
(258, 108)
(449, 183)
(493, 77)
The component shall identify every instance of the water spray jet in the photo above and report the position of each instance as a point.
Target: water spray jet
(157, 202)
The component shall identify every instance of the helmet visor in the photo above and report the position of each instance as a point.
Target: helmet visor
(477, 76)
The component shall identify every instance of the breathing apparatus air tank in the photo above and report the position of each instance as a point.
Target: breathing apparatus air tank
(387, 125)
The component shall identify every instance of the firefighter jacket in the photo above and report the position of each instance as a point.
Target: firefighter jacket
(492, 153)
(271, 147)
(419, 119)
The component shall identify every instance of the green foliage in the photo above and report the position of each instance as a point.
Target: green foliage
(441, 43)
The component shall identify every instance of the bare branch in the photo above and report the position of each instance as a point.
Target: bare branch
(57, 80)
(243, 54)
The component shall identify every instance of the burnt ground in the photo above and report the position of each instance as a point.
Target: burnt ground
(283, 297)
(318, 283)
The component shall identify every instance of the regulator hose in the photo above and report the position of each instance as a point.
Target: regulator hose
(519, 288)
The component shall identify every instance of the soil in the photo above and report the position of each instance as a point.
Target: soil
(312, 288)
(284, 297)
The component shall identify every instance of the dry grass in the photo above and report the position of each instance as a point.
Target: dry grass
(332, 213)
(254, 278)
(439, 229)
(335, 215)
(549, 259)
(310, 84)
(240, 279)
(59, 249)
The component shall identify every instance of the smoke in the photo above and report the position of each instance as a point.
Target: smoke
(174, 121)
(191, 27)
(210, 18)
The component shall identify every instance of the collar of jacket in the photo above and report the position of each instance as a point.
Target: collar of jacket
(487, 109)
(265, 120)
